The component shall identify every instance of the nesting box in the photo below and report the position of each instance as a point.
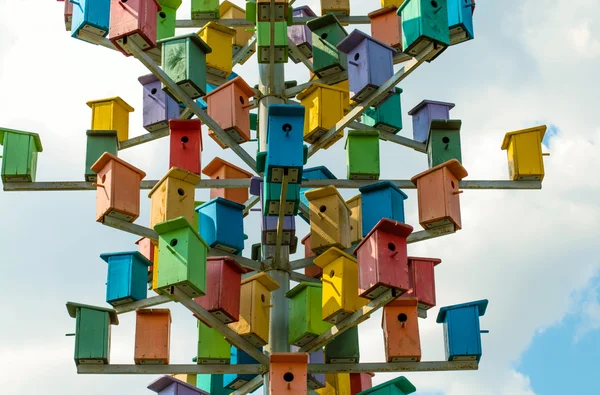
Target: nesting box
(263, 10)
(185, 145)
(263, 40)
(173, 196)
(329, 219)
(301, 35)
(229, 106)
(344, 348)
(324, 106)
(222, 295)
(388, 115)
(220, 39)
(184, 60)
(229, 10)
(133, 20)
(191, 379)
(236, 380)
(360, 382)
(462, 334)
(205, 9)
(111, 114)
(271, 199)
(221, 224)
(220, 169)
(182, 255)
(437, 193)
(327, 33)
(386, 26)
(397, 386)
(381, 200)
(382, 259)
(424, 113)
(127, 277)
(315, 380)
(255, 309)
(424, 22)
(336, 7)
(168, 385)
(90, 17)
(370, 64)
(285, 137)
(19, 155)
(152, 336)
(269, 229)
(422, 280)
(165, 26)
(306, 322)
(524, 149)
(336, 384)
(400, 324)
(158, 107)
(213, 349)
(460, 20)
(355, 206)
(117, 188)
(362, 155)
(312, 270)
(288, 373)
(92, 333)
(314, 173)
(146, 248)
(212, 383)
(443, 143)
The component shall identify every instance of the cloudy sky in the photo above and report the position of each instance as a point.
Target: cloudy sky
(533, 254)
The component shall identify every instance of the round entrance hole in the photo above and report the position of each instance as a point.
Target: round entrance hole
(173, 242)
(288, 377)
(185, 139)
(242, 100)
(332, 273)
(434, 4)
(153, 91)
(445, 140)
(180, 192)
(286, 128)
(392, 246)
(262, 298)
(324, 36)
(162, 15)
(356, 56)
(323, 209)
(402, 317)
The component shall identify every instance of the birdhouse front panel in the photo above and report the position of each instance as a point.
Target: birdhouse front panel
(205, 9)
(424, 22)
(381, 200)
(220, 169)
(424, 113)
(111, 114)
(221, 224)
(443, 143)
(127, 277)
(314, 173)
(336, 7)
(269, 229)
(173, 196)
(462, 333)
(327, 34)
(301, 35)
(336, 384)
(185, 145)
(355, 206)
(360, 382)
(387, 116)
(271, 199)
(525, 158)
(228, 10)
(306, 322)
(362, 155)
(213, 349)
(92, 333)
(422, 280)
(285, 139)
(329, 219)
(288, 373)
(460, 20)
(90, 17)
(344, 348)
(220, 39)
(386, 26)
(165, 24)
(158, 107)
(400, 324)
(152, 336)
(280, 45)
(98, 142)
(239, 357)
(133, 20)
(324, 106)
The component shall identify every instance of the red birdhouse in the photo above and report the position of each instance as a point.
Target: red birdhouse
(186, 145)
(360, 382)
(133, 20)
(437, 191)
(400, 324)
(382, 259)
(312, 270)
(422, 280)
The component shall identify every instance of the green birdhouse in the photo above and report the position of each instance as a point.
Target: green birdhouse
(387, 116)
(19, 156)
(165, 26)
(212, 346)
(306, 322)
(98, 142)
(424, 22)
(263, 38)
(443, 143)
(205, 9)
(327, 33)
(344, 348)
(397, 386)
(92, 333)
(362, 154)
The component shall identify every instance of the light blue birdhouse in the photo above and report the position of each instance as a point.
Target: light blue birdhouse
(422, 115)
(387, 116)
(460, 20)
(221, 224)
(127, 278)
(314, 173)
(159, 107)
(381, 200)
(397, 386)
(239, 357)
(91, 17)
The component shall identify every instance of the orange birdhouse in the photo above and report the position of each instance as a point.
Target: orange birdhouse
(152, 336)
(400, 325)
(218, 169)
(288, 373)
(386, 26)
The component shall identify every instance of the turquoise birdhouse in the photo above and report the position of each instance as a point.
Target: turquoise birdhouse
(387, 116)
(424, 22)
(397, 386)
(221, 224)
(127, 277)
(460, 20)
(91, 19)
(239, 357)
(381, 200)
(271, 195)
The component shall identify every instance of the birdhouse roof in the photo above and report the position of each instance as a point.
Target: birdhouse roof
(355, 38)
(452, 165)
(381, 185)
(222, 201)
(418, 107)
(384, 10)
(319, 169)
(204, 47)
(301, 287)
(72, 309)
(108, 133)
(400, 302)
(361, 133)
(401, 382)
(163, 382)
(286, 110)
(293, 357)
(255, 185)
(352, 199)
(331, 255)
(481, 304)
(137, 254)
(445, 124)
(227, 5)
(148, 79)
(264, 279)
(305, 238)
(230, 262)
(177, 224)
(106, 157)
(155, 311)
(435, 261)
(323, 21)
(217, 163)
(219, 27)
(388, 226)
(538, 129)
(306, 9)
(320, 193)
(315, 86)
(177, 174)
(170, 3)
(239, 82)
(36, 137)
(116, 99)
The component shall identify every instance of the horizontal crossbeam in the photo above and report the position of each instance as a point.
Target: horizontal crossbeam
(195, 23)
(142, 304)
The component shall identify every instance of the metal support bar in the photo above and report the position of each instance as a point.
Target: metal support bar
(394, 138)
(296, 53)
(328, 80)
(244, 51)
(249, 386)
(142, 304)
(187, 23)
(281, 218)
(299, 277)
(144, 138)
(250, 203)
(393, 367)
(130, 228)
(170, 369)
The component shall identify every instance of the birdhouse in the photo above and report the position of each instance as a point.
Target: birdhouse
(19, 155)
(285, 138)
(146, 248)
(154, 268)
(288, 373)
(229, 10)
(370, 64)
(263, 10)
(422, 280)
(306, 323)
(222, 224)
(382, 259)
(280, 45)
(355, 206)
(182, 256)
(462, 334)
(117, 188)
(271, 199)
(185, 145)
(315, 380)
(336, 383)
(159, 107)
(220, 169)
(68, 15)
(213, 349)
(212, 383)
(314, 173)
(324, 106)
(336, 7)
(460, 20)
(344, 348)
(424, 113)
(301, 35)
(220, 39)
(173, 196)
(255, 309)
(239, 357)
(400, 324)
(191, 379)
(327, 34)
(340, 284)
(205, 9)
(229, 106)
(437, 193)
(360, 382)
(381, 200)
(387, 116)
(312, 270)
(127, 277)
(524, 148)
(111, 114)
(165, 26)
(167, 385)
(397, 386)
(362, 155)
(92, 333)
(424, 22)
(135, 21)
(90, 17)
(269, 229)
(386, 26)
(184, 60)
(152, 336)
(329, 219)
(443, 143)
(222, 297)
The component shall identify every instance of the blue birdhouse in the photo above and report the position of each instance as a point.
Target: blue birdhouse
(314, 173)
(271, 195)
(221, 224)
(285, 138)
(462, 334)
(90, 17)
(127, 278)
(387, 116)
(381, 200)
(424, 113)
(397, 386)
(239, 357)
(460, 20)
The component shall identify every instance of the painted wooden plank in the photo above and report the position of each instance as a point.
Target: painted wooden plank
(187, 23)
(170, 369)
(130, 227)
(142, 304)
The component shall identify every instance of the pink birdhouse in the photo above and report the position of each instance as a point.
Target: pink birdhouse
(133, 20)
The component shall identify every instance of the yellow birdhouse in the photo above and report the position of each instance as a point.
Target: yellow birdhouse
(329, 219)
(355, 206)
(173, 196)
(525, 162)
(155, 271)
(325, 106)
(387, 3)
(336, 384)
(111, 114)
(255, 309)
(228, 10)
(336, 7)
(220, 39)
(340, 284)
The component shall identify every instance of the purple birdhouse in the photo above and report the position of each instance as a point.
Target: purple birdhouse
(168, 385)
(159, 107)
(301, 34)
(424, 113)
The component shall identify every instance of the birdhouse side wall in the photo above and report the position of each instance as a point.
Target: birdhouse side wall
(422, 282)
(120, 195)
(212, 346)
(462, 334)
(152, 338)
(92, 336)
(387, 28)
(158, 107)
(19, 158)
(363, 157)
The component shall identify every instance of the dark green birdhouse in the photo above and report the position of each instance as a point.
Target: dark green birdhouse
(263, 38)
(19, 156)
(327, 33)
(443, 143)
(98, 142)
(362, 153)
(344, 348)
(387, 116)
(397, 386)
(306, 322)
